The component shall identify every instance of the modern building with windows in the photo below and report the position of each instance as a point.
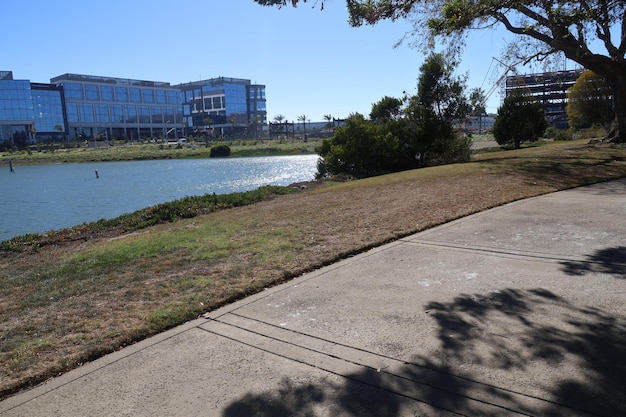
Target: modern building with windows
(106, 107)
(81, 107)
(29, 112)
(219, 106)
(17, 118)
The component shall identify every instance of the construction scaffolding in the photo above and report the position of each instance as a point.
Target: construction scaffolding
(548, 88)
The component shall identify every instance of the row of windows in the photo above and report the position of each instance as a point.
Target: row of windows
(14, 135)
(236, 93)
(118, 113)
(206, 104)
(237, 100)
(257, 93)
(15, 100)
(121, 94)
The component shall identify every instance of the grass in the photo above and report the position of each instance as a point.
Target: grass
(144, 151)
(73, 295)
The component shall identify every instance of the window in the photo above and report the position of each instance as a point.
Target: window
(169, 115)
(106, 92)
(160, 97)
(157, 114)
(86, 112)
(73, 91)
(135, 95)
(148, 95)
(91, 92)
(15, 100)
(174, 97)
(121, 94)
(72, 112)
(116, 113)
(144, 114)
(102, 113)
(131, 114)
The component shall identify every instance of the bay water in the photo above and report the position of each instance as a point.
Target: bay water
(39, 198)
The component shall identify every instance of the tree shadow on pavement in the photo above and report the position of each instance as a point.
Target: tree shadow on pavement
(520, 331)
(507, 352)
(607, 261)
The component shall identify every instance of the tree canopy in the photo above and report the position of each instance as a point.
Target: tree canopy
(590, 101)
(520, 119)
(405, 133)
(546, 27)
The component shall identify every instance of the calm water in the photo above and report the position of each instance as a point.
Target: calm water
(39, 198)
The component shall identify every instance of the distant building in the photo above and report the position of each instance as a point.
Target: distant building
(480, 124)
(550, 89)
(219, 106)
(17, 117)
(107, 107)
(77, 107)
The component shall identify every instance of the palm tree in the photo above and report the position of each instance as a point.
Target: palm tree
(329, 119)
(279, 118)
(302, 118)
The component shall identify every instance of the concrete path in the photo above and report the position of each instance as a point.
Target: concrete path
(520, 310)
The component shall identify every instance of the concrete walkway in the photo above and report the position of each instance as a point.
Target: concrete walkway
(520, 310)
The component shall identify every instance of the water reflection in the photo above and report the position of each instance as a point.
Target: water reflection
(39, 198)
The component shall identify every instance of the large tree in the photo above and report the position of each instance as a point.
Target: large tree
(547, 27)
(590, 101)
(403, 133)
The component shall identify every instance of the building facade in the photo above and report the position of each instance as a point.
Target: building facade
(49, 112)
(550, 89)
(81, 107)
(107, 107)
(17, 117)
(222, 105)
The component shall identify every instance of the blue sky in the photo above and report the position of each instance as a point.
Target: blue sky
(312, 62)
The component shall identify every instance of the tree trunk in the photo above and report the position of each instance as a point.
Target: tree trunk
(618, 135)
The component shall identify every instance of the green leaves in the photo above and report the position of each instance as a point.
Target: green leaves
(520, 119)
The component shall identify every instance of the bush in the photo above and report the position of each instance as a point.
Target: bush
(520, 119)
(563, 134)
(220, 151)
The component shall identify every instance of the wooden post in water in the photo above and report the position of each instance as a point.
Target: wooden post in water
(11, 166)
(97, 175)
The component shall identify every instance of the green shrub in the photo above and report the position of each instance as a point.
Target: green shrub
(563, 134)
(520, 119)
(220, 151)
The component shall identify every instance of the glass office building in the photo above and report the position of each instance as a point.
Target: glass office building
(17, 119)
(219, 106)
(106, 107)
(49, 112)
(81, 107)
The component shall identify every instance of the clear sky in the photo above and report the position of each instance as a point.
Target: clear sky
(312, 62)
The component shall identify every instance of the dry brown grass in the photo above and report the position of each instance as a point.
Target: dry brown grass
(61, 305)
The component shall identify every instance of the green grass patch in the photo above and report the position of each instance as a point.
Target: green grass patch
(184, 208)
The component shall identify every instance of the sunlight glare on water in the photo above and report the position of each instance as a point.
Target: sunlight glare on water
(39, 198)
